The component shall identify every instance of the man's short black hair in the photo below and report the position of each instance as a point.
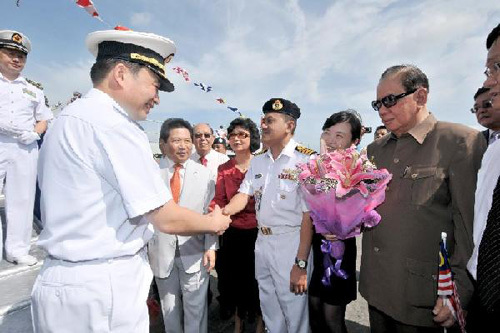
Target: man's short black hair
(380, 127)
(173, 123)
(348, 116)
(101, 68)
(412, 77)
(480, 91)
(251, 127)
(493, 36)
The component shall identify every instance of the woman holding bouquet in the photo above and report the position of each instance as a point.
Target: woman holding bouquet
(236, 259)
(327, 303)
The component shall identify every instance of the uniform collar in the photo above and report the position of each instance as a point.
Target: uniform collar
(99, 94)
(19, 79)
(419, 132)
(288, 150)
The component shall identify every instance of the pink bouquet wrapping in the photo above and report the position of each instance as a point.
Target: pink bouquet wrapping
(342, 189)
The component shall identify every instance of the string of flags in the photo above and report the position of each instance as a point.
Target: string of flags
(205, 88)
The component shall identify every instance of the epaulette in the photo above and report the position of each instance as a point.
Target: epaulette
(305, 150)
(261, 152)
(34, 83)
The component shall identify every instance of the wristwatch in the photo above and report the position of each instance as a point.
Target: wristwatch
(302, 264)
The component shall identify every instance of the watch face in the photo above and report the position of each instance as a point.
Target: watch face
(302, 264)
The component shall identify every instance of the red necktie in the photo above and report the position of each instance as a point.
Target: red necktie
(203, 161)
(175, 183)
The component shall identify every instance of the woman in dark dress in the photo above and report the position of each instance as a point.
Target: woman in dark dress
(236, 259)
(327, 304)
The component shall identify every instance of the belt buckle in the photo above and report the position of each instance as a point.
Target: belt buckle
(266, 231)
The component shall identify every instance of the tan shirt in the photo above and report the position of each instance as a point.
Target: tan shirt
(434, 169)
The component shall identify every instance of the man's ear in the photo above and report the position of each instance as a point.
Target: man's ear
(119, 74)
(421, 96)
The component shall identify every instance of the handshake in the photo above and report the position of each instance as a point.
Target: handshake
(220, 218)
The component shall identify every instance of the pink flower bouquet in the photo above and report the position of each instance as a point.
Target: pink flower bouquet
(342, 189)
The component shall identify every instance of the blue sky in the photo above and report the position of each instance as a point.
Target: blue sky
(326, 56)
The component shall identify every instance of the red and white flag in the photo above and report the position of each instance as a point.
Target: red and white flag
(88, 6)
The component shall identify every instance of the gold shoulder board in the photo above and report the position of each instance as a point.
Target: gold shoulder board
(304, 150)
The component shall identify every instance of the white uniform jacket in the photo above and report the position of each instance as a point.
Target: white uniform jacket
(196, 193)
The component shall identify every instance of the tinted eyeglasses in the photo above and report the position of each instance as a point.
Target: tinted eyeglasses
(200, 135)
(493, 70)
(239, 135)
(390, 100)
(485, 105)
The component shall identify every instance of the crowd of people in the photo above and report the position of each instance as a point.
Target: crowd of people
(114, 219)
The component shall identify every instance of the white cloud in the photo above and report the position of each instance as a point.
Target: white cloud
(141, 19)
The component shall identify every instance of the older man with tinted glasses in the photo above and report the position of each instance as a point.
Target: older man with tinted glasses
(434, 166)
(203, 141)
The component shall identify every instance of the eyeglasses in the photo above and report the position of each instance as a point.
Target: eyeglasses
(390, 100)
(239, 135)
(200, 135)
(493, 70)
(485, 105)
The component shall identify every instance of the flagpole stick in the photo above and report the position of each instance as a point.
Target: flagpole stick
(443, 238)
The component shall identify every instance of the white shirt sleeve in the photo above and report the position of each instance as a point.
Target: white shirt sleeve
(137, 175)
(42, 112)
(246, 185)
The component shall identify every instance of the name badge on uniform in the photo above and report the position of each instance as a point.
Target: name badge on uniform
(257, 176)
(29, 92)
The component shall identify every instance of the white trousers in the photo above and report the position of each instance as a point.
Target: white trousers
(184, 299)
(18, 170)
(98, 296)
(282, 310)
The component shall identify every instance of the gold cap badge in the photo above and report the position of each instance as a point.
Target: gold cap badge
(17, 38)
(277, 105)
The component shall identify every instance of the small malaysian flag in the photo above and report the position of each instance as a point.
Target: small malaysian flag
(447, 288)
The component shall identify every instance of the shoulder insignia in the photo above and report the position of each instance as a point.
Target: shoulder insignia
(261, 152)
(305, 150)
(34, 83)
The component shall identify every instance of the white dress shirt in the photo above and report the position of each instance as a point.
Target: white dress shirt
(278, 201)
(168, 164)
(21, 104)
(214, 159)
(486, 182)
(98, 178)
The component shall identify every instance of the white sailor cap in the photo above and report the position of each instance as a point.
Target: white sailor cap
(147, 49)
(15, 40)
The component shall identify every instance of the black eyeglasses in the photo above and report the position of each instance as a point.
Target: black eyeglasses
(390, 100)
(240, 135)
(485, 105)
(200, 135)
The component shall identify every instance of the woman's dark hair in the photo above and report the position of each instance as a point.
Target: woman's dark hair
(348, 116)
(251, 127)
(173, 123)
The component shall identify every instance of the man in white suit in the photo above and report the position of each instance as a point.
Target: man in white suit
(181, 264)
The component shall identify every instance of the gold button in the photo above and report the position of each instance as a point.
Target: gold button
(396, 160)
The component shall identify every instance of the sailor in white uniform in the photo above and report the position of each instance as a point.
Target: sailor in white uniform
(282, 250)
(23, 118)
(100, 189)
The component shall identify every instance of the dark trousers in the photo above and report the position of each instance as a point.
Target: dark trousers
(382, 323)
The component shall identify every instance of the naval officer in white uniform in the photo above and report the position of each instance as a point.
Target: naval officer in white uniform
(282, 250)
(23, 118)
(102, 190)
